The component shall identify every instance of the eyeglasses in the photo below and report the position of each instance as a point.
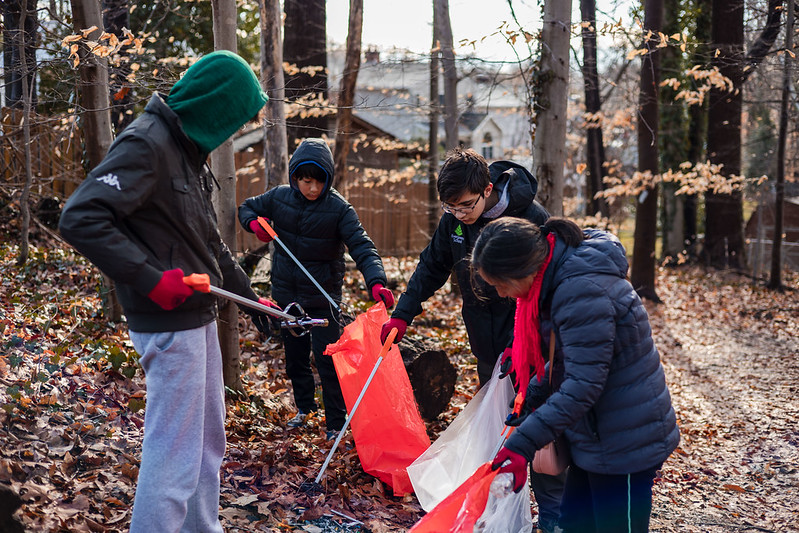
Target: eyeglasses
(461, 209)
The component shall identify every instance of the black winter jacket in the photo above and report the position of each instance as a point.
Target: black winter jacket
(487, 316)
(315, 232)
(611, 401)
(146, 208)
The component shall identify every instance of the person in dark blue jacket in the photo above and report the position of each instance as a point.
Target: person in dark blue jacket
(610, 398)
(315, 223)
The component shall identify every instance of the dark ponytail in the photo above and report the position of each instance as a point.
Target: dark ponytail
(514, 248)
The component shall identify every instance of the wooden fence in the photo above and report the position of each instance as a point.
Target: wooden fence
(56, 153)
(394, 214)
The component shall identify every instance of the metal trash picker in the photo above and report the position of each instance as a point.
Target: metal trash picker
(301, 321)
(272, 233)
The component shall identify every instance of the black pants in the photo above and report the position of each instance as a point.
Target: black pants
(599, 503)
(298, 368)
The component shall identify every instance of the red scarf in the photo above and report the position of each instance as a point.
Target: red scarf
(526, 350)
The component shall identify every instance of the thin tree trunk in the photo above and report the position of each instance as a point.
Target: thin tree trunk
(441, 16)
(224, 168)
(24, 201)
(432, 139)
(304, 45)
(549, 145)
(96, 117)
(775, 280)
(13, 25)
(724, 242)
(642, 274)
(595, 148)
(697, 129)
(346, 96)
(116, 17)
(273, 81)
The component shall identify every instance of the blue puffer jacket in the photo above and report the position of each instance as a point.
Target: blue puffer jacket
(611, 402)
(315, 232)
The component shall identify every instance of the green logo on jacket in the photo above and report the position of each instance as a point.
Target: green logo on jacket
(459, 230)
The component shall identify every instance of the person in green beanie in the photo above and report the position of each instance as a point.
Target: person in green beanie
(144, 217)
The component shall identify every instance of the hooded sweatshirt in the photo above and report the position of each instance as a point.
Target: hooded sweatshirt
(146, 208)
(488, 318)
(316, 232)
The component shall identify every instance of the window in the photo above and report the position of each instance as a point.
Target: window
(488, 148)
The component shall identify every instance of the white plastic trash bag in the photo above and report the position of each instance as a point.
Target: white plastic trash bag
(472, 439)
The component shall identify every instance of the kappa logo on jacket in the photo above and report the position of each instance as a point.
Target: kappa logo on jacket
(457, 235)
(110, 179)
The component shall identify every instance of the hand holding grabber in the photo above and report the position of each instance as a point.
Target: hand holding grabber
(301, 322)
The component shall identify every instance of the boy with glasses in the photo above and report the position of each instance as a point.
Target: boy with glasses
(472, 194)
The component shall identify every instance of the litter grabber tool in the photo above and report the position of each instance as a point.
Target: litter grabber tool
(272, 233)
(298, 324)
(314, 486)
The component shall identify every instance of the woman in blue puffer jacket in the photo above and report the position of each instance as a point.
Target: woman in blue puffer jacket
(609, 399)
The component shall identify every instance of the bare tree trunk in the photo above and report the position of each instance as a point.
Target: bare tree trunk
(441, 16)
(642, 274)
(116, 17)
(273, 81)
(304, 45)
(224, 168)
(775, 280)
(93, 98)
(13, 55)
(595, 148)
(432, 139)
(724, 242)
(346, 96)
(549, 145)
(24, 201)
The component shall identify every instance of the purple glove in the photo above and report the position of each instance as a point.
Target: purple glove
(381, 293)
(517, 466)
(170, 291)
(398, 323)
(260, 232)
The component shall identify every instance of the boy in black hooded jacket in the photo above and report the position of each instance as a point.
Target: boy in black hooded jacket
(315, 223)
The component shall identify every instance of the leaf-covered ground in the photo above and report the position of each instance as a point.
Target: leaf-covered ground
(72, 399)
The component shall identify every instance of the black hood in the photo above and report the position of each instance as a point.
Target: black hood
(313, 151)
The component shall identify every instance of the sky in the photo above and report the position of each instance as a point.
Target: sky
(408, 23)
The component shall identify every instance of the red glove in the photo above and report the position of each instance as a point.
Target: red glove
(170, 291)
(517, 466)
(259, 231)
(398, 323)
(381, 293)
(506, 364)
(269, 303)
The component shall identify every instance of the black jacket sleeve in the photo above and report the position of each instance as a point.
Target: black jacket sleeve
(361, 248)
(93, 215)
(433, 270)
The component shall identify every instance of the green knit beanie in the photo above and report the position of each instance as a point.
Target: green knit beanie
(215, 97)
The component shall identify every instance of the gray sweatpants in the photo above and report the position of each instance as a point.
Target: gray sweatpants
(184, 432)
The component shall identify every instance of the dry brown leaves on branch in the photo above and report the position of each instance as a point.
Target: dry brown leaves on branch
(72, 398)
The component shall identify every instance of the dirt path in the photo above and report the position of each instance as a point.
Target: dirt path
(731, 355)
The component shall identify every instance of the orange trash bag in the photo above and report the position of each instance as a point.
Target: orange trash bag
(459, 512)
(387, 428)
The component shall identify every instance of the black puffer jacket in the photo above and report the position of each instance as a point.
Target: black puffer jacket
(147, 208)
(315, 232)
(488, 318)
(611, 402)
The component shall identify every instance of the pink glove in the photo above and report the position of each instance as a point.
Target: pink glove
(259, 231)
(398, 323)
(170, 291)
(517, 466)
(381, 293)
(506, 365)
(269, 303)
